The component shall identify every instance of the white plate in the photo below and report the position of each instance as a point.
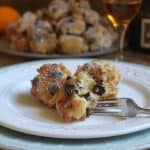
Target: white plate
(18, 111)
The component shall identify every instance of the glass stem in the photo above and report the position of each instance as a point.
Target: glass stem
(122, 39)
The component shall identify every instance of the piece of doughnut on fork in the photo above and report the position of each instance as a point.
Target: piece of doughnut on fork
(91, 82)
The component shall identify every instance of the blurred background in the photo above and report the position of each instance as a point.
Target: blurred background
(24, 5)
(137, 36)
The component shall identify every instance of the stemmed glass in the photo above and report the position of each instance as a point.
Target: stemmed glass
(121, 13)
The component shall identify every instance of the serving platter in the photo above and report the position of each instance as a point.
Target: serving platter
(5, 48)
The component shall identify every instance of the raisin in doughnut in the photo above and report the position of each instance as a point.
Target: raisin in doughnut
(98, 37)
(99, 78)
(48, 82)
(71, 106)
(17, 32)
(111, 78)
(58, 9)
(70, 25)
(90, 16)
(42, 38)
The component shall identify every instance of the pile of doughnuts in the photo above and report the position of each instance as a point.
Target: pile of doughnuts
(73, 94)
(65, 26)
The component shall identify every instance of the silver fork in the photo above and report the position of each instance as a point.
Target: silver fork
(124, 107)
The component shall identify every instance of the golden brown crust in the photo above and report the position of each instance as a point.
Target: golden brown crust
(70, 106)
(58, 9)
(19, 43)
(70, 25)
(71, 109)
(46, 85)
(72, 44)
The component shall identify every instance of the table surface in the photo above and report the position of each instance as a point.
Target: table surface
(13, 140)
(129, 56)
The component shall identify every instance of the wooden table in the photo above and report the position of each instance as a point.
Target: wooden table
(129, 56)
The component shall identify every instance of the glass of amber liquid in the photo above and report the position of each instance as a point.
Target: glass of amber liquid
(121, 13)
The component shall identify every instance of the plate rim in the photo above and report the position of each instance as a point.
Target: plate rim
(74, 137)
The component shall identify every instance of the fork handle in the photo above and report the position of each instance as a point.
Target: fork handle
(142, 112)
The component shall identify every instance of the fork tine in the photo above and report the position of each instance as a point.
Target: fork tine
(107, 103)
(125, 107)
(113, 99)
(103, 111)
(110, 102)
